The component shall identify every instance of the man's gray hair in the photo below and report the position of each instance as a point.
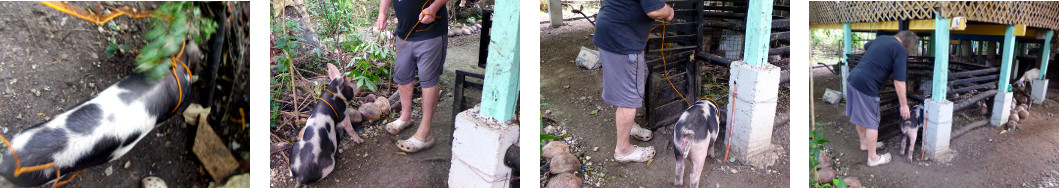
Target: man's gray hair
(908, 39)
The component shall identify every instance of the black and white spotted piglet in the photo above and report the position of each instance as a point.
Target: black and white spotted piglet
(313, 157)
(99, 130)
(910, 129)
(693, 135)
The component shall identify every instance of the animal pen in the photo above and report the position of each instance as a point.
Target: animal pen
(970, 55)
(710, 32)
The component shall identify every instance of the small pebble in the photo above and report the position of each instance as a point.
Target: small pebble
(153, 182)
(127, 164)
(734, 171)
(110, 170)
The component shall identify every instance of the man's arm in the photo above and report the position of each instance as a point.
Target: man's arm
(899, 86)
(430, 12)
(384, 13)
(664, 13)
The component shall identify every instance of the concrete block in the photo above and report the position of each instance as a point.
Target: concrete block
(1038, 90)
(478, 147)
(1001, 108)
(939, 128)
(754, 113)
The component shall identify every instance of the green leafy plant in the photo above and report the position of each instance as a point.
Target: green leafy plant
(369, 65)
(173, 23)
(545, 136)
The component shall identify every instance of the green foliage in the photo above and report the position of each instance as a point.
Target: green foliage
(340, 16)
(113, 48)
(816, 145)
(369, 63)
(545, 136)
(173, 23)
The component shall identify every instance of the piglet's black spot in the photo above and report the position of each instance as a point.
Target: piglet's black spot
(130, 139)
(100, 153)
(309, 133)
(84, 119)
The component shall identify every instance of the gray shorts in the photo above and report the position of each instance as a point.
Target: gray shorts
(862, 109)
(426, 55)
(624, 78)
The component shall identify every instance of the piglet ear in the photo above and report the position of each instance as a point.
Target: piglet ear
(332, 71)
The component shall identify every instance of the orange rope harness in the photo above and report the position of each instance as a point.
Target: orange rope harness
(93, 17)
(329, 103)
(180, 91)
(665, 68)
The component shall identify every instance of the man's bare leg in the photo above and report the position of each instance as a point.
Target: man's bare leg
(860, 135)
(405, 92)
(624, 119)
(430, 103)
(872, 135)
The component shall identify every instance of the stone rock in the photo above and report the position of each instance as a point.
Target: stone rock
(554, 148)
(825, 175)
(215, 156)
(370, 111)
(853, 182)
(564, 180)
(564, 163)
(153, 182)
(1024, 115)
(241, 180)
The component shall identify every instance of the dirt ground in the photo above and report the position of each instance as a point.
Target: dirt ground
(52, 61)
(375, 163)
(573, 94)
(1027, 157)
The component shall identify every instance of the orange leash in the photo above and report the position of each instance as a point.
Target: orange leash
(93, 17)
(665, 68)
(731, 121)
(405, 39)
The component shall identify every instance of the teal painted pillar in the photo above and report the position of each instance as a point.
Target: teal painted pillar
(941, 58)
(758, 28)
(1047, 52)
(1006, 59)
(500, 90)
(847, 39)
(847, 48)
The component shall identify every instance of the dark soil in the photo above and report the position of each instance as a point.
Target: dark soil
(573, 102)
(1027, 157)
(52, 61)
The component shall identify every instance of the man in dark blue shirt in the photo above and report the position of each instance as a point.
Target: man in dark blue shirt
(621, 34)
(421, 42)
(885, 58)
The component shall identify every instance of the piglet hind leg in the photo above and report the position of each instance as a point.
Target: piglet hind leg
(698, 160)
(912, 143)
(679, 180)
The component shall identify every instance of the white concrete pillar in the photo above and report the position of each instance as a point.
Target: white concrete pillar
(1038, 90)
(555, 12)
(754, 90)
(1001, 108)
(938, 130)
(478, 147)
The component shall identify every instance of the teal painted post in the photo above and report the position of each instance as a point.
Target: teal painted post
(941, 58)
(500, 90)
(758, 28)
(1047, 52)
(1005, 61)
(847, 43)
(847, 39)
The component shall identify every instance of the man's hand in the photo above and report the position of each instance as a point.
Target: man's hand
(664, 14)
(380, 25)
(904, 112)
(428, 15)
